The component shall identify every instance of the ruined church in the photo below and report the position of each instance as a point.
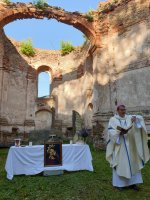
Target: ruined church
(112, 67)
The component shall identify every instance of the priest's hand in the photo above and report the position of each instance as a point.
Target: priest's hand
(123, 132)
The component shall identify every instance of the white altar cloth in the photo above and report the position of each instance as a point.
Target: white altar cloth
(30, 160)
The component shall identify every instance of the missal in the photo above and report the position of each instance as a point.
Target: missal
(123, 130)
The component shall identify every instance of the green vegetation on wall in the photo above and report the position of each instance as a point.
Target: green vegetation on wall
(41, 4)
(27, 48)
(66, 47)
(7, 1)
(89, 15)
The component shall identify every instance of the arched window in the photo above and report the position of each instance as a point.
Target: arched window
(90, 106)
(44, 83)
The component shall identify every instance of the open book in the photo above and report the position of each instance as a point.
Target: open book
(123, 130)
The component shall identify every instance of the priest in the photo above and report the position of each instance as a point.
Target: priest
(127, 150)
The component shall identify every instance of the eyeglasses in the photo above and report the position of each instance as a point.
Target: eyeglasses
(122, 109)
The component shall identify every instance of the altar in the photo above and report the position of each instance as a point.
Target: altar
(29, 160)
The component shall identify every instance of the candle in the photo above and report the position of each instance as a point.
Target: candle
(30, 144)
(71, 142)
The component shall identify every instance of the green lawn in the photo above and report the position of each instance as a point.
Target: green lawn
(70, 186)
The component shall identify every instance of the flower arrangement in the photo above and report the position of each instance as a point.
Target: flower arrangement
(83, 134)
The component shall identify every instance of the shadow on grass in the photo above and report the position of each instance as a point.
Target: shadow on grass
(83, 185)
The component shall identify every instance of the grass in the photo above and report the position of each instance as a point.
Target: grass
(81, 185)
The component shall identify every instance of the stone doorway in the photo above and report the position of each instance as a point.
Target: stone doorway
(43, 120)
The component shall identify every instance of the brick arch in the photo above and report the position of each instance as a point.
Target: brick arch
(12, 12)
(45, 68)
(44, 109)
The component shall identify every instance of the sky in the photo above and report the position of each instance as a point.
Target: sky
(44, 81)
(48, 34)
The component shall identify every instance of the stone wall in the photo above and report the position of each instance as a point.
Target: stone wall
(72, 81)
(20, 106)
(122, 65)
(15, 83)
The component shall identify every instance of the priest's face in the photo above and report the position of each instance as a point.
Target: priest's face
(121, 111)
